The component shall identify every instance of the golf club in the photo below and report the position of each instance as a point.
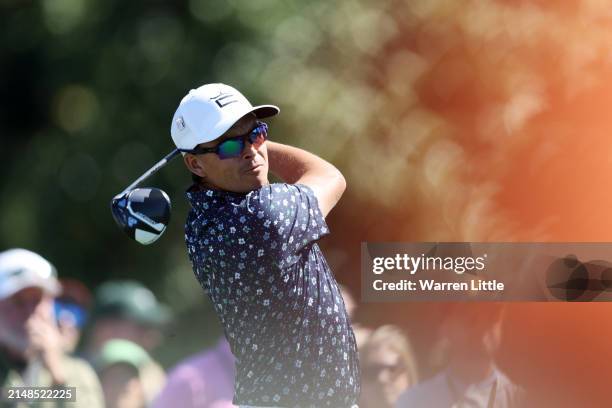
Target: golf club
(143, 213)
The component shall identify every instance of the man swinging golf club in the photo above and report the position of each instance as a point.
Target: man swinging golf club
(253, 248)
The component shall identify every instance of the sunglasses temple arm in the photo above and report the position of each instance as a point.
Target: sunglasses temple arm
(156, 167)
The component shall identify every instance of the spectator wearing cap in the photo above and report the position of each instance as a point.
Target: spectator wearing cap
(31, 348)
(126, 309)
(119, 364)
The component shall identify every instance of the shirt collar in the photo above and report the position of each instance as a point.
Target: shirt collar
(202, 198)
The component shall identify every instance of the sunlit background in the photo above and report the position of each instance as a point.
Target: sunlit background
(451, 120)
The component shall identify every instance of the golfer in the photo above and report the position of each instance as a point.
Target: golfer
(253, 247)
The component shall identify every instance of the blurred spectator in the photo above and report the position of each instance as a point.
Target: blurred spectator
(361, 332)
(71, 308)
(31, 348)
(388, 367)
(127, 310)
(118, 365)
(472, 333)
(205, 380)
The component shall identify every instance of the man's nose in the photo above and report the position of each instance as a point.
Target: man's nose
(249, 150)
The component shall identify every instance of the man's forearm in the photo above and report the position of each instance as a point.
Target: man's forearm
(292, 163)
(295, 165)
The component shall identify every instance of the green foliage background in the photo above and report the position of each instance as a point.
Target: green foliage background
(479, 120)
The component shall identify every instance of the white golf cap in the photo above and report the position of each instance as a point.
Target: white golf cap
(20, 269)
(206, 113)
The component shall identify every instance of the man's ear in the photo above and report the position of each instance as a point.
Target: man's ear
(194, 165)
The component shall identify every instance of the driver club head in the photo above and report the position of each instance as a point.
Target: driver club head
(142, 213)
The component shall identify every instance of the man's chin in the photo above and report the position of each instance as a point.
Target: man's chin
(252, 184)
(259, 182)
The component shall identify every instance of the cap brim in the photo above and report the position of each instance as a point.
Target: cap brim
(265, 111)
(50, 287)
(260, 112)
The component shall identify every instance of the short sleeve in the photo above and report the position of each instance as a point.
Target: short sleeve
(289, 219)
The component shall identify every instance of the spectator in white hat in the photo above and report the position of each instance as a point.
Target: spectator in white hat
(31, 348)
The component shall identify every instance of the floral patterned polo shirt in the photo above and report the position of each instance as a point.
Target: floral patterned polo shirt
(256, 256)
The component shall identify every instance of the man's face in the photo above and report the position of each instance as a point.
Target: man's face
(122, 387)
(241, 174)
(15, 313)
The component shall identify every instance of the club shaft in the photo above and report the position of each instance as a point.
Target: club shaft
(151, 171)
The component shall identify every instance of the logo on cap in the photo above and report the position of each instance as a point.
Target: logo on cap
(180, 123)
(223, 99)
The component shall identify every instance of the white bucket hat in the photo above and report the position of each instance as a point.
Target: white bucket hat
(209, 111)
(20, 269)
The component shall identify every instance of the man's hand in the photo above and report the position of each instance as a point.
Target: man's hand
(46, 344)
(295, 166)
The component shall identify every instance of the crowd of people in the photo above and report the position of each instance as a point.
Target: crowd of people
(43, 319)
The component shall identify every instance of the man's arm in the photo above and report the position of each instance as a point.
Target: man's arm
(295, 166)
